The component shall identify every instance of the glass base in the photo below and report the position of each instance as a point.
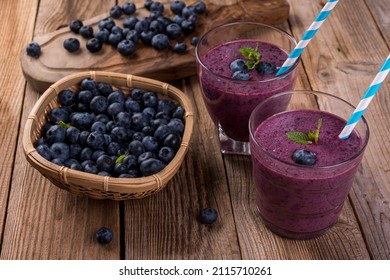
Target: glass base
(230, 146)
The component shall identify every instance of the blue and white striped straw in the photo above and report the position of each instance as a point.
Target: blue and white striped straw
(366, 99)
(309, 34)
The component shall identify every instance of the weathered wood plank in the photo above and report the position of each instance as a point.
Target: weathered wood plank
(165, 225)
(44, 222)
(12, 84)
(343, 59)
(380, 10)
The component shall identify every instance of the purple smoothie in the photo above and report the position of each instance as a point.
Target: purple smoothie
(300, 201)
(230, 102)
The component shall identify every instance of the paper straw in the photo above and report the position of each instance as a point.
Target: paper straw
(309, 34)
(366, 99)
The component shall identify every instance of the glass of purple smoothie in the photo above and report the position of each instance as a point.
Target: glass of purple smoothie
(302, 182)
(230, 100)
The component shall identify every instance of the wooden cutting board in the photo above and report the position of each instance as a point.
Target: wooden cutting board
(55, 62)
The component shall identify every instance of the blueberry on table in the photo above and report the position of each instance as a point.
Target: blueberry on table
(148, 4)
(86, 31)
(132, 35)
(160, 41)
(146, 37)
(157, 26)
(94, 45)
(173, 30)
(187, 11)
(102, 35)
(266, 68)
(33, 49)
(304, 157)
(114, 39)
(129, 22)
(208, 215)
(129, 8)
(180, 48)
(157, 6)
(199, 7)
(187, 26)
(194, 40)
(75, 25)
(177, 7)
(126, 47)
(107, 23)
(104, 235)
(116, 11)
(71, 44)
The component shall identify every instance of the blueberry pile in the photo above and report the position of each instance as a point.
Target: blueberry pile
(241, 72)
(156, 30)
(108, 131)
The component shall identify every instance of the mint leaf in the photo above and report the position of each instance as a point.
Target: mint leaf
(298, 137)
(303, 138)
(63, 124)
(253, 56)
(120, 159)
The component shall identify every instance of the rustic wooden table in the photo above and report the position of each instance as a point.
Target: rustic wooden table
(40, 221)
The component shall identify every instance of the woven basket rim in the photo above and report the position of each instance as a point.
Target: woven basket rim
(105, 183)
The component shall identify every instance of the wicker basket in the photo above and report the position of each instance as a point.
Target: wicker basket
(95, 186)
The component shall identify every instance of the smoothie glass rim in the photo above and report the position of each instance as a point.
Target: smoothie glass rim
(313, 92)
(224, 25)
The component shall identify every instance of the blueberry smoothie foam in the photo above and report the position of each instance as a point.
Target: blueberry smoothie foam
(230, 102)
(299, 201)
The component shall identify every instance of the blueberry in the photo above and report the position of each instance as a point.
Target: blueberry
(177, 7)
(146, 37)
(72, 44)
(180, 47)
(139, 120)
(105, 163)
(129, 8)
(133, 36)
(75, 25)
(132, 106)
(266, 68)
(177, 126)
(39, 142)
(149, 112)
(60, 150)
(145, 156)
(86, 154)
(76, 166)
(102, 118)
(116, 11)
(187, 11)
(138, 136)
(136, 148)
(98, 104)
(178, 113)
(173, 141)
(74, 150)
(126, 47)
(110, 126)
(150, 143)
(113, 148)
(129, 22)
(83, 137)
(96, 154)
(238, 65)
(178, 19)
(166, 154)
(95, 140)
(104, 235)
(86, 31)
(160, 41)
(241, 75)
(70, 161)
(85, 96)
(157, 26)
(116, 96)
(119, 134)
(114, 39)
(58, 161)
(82, 121)
(102, 35)
(131, 161)
(66, 97)
(155, 123)
(91, 167)
(208, 215)
(151, 166)
(141, 26)
(45, 152)
(150, 99)
(94, 45)
(199, 7)
(115, 108)
(162, 131)
(72, 135)
(194, 40)
(107, 23)
(304, 157)
(88, 84)
(148, 4)
(164, 20)
(163, 116)
(33, 49)
(173, 30)
(107, 139)
(104, 173)
(187, 26)
(59, 114)
(124, 119)
(120, 168)
(165, 105)
(99, 126)
(147, 130)
(104, 88)
(157, 6)
(55, 133)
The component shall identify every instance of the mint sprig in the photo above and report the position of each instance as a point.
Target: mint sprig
(63, 124)
(253, 56)
(303, 138)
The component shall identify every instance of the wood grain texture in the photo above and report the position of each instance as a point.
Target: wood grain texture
(55, 62)
(151, 223)
(343, 59)
(44, 222)
(380, 10)
(12, 84)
